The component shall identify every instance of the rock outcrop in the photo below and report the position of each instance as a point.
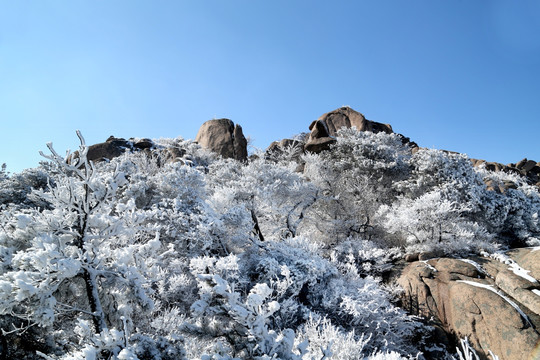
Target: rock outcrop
(526, 168)
(347, 117)
(114, 147)
(493, 302)
(528, 259)
(319, 139)
(108, 150)
(224, 138)
(324, 129)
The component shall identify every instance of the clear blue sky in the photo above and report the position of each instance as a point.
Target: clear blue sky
(457, 75)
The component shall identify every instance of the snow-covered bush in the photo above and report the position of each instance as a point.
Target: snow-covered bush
(354, 179)
(445, 206)
(514, 213)
(16, 188)
(250, 303)
(275, 195)
(432, 222)
(86, 258)
(364, 257)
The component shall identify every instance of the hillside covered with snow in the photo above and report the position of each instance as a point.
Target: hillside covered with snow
(168, 250)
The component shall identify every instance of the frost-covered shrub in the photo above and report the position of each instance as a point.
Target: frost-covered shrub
(187, 152)
(464, 209)
(432, 169)
(250, 303)
(434, 210)
(514, 213)
(275, 195)
(325, 341)
(16, 189)
(432, 222)
(234, 312)
(354, 179)
(364, 257)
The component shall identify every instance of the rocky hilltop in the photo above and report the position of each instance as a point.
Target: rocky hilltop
(492, 301)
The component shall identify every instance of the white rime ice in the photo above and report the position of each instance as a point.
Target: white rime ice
(141, 257)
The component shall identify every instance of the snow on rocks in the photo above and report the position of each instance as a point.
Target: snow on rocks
(465, 301)
(492, 289)
(514, 277)
(513, 266)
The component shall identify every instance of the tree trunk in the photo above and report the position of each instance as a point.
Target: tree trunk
(90, 278)
(98, 317)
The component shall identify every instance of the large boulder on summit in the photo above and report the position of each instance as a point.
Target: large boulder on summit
(347, 117)
(324, 129)
(224, 138)
(483, 299)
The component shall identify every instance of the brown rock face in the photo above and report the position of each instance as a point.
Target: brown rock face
(114, 147)
(318, 145)
(108, 150)
(318, 130)
(465, 302)
(324, 129)
(143, 144)
(319, 139)
(240, 144)
(528, 259)
(224, 138)
(347, 117)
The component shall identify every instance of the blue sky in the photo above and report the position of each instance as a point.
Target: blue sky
(455, 75)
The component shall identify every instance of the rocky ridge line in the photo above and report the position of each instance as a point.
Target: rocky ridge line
(226, 139)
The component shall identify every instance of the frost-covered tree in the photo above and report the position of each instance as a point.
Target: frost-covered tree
(85, 262)
(282, 299)
(274, 194)
(354, 179)
(445, 206)
(512, 214)
(432, 222)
